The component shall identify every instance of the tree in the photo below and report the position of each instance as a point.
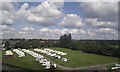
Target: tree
(75, 45)
(7, 44)
(18, 45)
(65, 41)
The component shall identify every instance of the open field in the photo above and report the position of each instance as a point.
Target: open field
(0, 55)
(77, 59)
(81, 59)
(27, 62)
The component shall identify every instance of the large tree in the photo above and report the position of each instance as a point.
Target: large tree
(7, 44)
(65, 41)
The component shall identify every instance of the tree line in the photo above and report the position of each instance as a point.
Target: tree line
(102, 47)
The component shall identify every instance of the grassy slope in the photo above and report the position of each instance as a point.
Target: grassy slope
(79, 59)
(27, 62)
(0, 55)
(76, 59)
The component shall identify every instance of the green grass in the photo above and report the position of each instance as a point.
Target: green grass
(79, 58)
(27, 62)
(76, 59)
(0, 55)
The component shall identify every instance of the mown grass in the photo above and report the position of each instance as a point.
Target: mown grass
(80, 59)
(76, 59)
(0, 55)
(27, 62)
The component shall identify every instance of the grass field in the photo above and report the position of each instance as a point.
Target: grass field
(0, 55)
(76, 59)
(80, 59)
(27, 62)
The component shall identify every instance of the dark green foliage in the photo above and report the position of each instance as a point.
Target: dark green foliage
(65, 41)
(109, 48)
(18, 45)
(75, 45)
(35, 43)
(102, 47)
(7, 45)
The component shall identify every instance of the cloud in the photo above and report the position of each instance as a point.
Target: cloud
(82, 31)
(25, 6)
(90, 32)
(5, 27)
(74, 31)
(59, 4)
(47, 33)
(43, 14)
(22, 32)
(7, 6)
(27, 28)
(102, 24)
(99, 22)
(71, 20)
(6, 31)
(101, 33)
(37, 19)
(62, 31)
(23, 12)
(8, 13)
(46, 9)
(7, 18)
(105, 11)
(106, 31)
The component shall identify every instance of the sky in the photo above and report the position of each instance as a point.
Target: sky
(50, 20)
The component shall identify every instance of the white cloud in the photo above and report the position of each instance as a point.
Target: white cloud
(22, 32)
(27, 28)
(47, 33)
(71, 20)
(106, 31)
(25, 6)
(62, 31)
(7, 18)
(6, 31)
(105, 24)
(90, 32)
(101, 33)
(46, 9)
(74, 31)
(43, 14)
(106, 11)
(23, 12)
(45, 30)
(82, 31)
(37, 19)
(5, 27)
(8, 13)
(100, 16)
(59, 4)
(7, 6)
